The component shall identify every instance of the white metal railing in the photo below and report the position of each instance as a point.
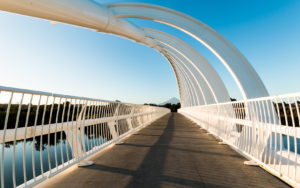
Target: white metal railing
(42, 133)
(265, 130)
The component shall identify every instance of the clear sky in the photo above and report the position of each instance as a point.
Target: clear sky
(70, 60)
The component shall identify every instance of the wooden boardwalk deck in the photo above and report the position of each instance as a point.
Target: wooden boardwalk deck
(171, 152)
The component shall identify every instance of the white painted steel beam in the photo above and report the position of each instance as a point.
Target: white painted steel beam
(188, 86)
(185, 90)
(243, 73)
(213, 89)
(108, 19)
(192, 92)
(179, 82)
(214, 83)
(190, 74)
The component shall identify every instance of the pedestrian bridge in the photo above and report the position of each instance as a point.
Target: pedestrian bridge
(51, 139)
(171, 152)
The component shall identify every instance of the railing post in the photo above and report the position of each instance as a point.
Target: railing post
(78, 144)
(112, 124)
(130, 119)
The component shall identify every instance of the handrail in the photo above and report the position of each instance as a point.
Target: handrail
(28, 91)
(265, 130)
(51, 132)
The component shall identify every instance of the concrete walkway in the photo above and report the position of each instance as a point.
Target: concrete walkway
(172, 152)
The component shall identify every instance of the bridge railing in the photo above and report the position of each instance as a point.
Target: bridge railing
(265, 130)
(42, 133)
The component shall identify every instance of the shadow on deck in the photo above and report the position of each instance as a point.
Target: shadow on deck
(171, 152)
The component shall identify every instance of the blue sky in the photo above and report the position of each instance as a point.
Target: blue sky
(70, 60)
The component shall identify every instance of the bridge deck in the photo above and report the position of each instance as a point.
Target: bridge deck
(172, 152)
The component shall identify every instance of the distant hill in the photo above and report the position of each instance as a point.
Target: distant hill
(172, 100)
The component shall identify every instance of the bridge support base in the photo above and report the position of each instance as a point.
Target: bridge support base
(119, 143)
(85, 163)
(250, 163)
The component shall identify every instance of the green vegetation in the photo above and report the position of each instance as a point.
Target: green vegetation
(37, 113)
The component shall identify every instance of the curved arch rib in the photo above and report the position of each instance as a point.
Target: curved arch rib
(184, 95)
(192, 91)
(108, 19)
(199, 82)
(198, 62)
(243, 73)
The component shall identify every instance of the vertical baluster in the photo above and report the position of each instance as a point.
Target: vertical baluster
(269, 128)
(293, 124)
(295, 136)
(49, 125)
(110, 114)
(105, 120)
(248, 118)
(245, 126)
(91, 126)
(132, 119)
(41, 136)
(3, 139)
(251, 127)
(119, 108)
(124, 127)
(25, 137)
(106, 115)
(33, 139)
(89, 108)
(119, 111)
(238, 118)
(286, 132)
(275, 116)
(279, 113)
(256, 126)
(76, 130)
(264, 124)
(94, 117)
(15, 140)
(97, 124)
(121, 120)
(61, 133)
(72, 126)
(109, 109)
(55, 133)
(261, 129)
(68, 122)
(103, 123)
(100, 124)
(82, 110)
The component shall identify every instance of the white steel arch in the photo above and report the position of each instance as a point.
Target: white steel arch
(194, 91)
(188, 87)
(109, 19)
(191, 76)
(183, 93)
(201, 83)
(243, 73)
(198, 62)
